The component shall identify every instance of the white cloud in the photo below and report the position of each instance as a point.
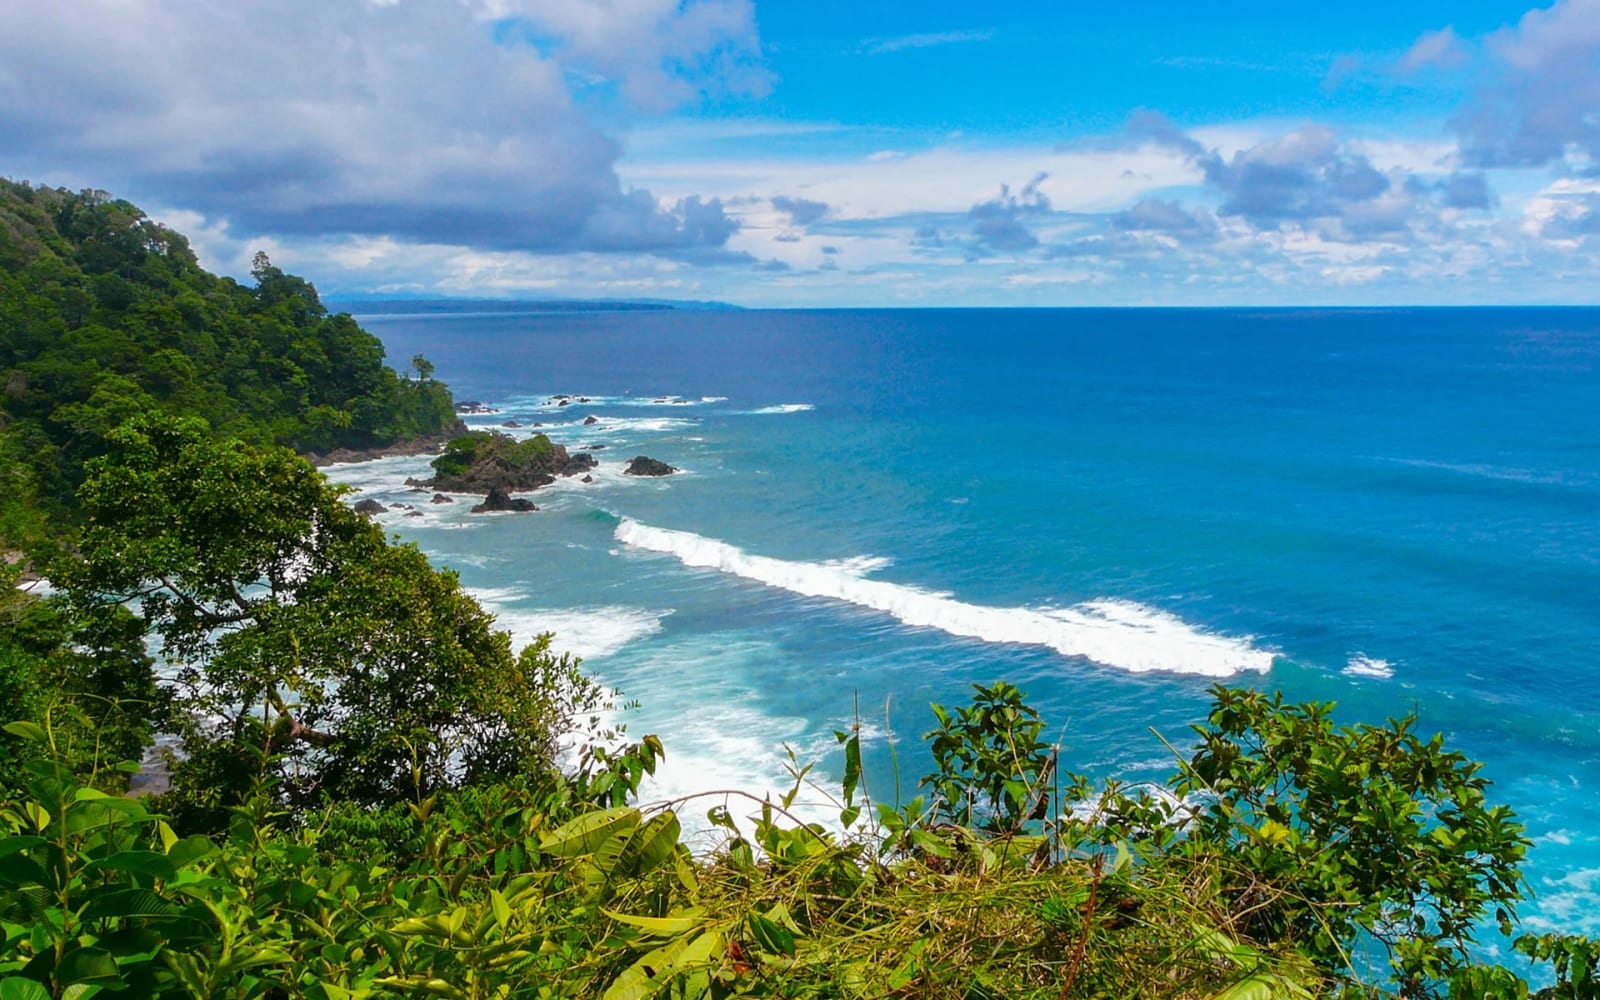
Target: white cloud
(421, 121)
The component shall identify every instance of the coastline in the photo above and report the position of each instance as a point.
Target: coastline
(424, 445)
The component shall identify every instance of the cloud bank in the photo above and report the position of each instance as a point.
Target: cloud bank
(451, 123)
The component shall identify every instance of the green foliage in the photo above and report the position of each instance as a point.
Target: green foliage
(993, 769)
(307, 647)
(105, 314)
(546, 885)
(463, 452)
(85, 679)
(1340, 838)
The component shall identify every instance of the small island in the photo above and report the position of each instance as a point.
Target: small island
(497, 465)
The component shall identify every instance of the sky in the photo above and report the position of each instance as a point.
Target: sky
(823, 153)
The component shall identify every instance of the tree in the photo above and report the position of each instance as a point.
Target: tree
(1342, 840)
(307, 647)
(423, 366)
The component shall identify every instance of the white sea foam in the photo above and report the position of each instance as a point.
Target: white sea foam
(783, 408)
(588, 633)
(526, 402)
(859, 565)
(1113, 633)
(1362, 665)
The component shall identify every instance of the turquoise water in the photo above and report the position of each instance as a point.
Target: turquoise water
(1113, 509)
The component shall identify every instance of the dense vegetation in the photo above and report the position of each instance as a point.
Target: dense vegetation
(378, 797)
(104, 313)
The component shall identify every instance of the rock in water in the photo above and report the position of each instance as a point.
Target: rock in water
(643, 465)
(591, 419)
(369, 507)
(441, 498)
(586, 479)
(578, 462)
(499, 499)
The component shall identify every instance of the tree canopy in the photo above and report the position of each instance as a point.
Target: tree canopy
(105, 313)
(302, 642)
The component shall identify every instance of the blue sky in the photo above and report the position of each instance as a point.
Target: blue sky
(824, 153)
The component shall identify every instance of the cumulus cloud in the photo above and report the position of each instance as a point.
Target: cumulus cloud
(447, 123)
(1304, 174)
(801, 211)
(1168, 218)
(997, 222)
(1541, 89)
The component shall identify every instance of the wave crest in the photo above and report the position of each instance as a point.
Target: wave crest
(1113, 633)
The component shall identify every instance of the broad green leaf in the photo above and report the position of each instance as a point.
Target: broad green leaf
(651, 844)
(87, 965)
(12, 845)
(668, 926)
(582, 835)
(638, 981)
(33, 734)
(770, 935)
(137, 862)
(128, 903)
(182, 853)
(17, 988)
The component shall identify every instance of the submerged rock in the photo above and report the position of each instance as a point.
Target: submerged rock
(441, 498)
(643, 465)
(586, 479)
(590, 419)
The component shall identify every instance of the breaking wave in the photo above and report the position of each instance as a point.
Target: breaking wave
(1113, 633)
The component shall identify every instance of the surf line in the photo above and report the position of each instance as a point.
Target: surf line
(1113, 633)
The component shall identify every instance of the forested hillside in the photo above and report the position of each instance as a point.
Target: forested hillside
(105, 313)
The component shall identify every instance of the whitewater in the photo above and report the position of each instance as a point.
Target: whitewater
(1112, 633)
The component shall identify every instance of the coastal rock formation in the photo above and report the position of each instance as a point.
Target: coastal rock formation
(415, 446)
(578, 463)
(483, 461)
(643, 465)
(441, 498)
(590, 419)
(499, 499)
(369, 507)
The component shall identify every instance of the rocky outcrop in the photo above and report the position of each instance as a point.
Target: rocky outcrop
(643, 465)
(441, 498)
(414, 446)
(483, 461)
(369, 507)
(500, 500)
(578, 463)
(591, 419)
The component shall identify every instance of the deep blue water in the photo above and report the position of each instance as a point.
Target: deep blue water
(1394, 509)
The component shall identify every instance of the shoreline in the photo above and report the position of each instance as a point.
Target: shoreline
(424, 445)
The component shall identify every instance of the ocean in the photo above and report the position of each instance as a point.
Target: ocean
(1397, 510)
